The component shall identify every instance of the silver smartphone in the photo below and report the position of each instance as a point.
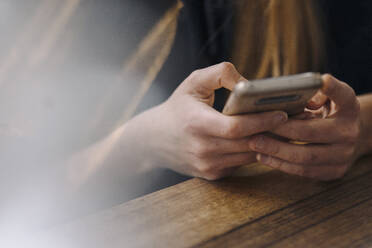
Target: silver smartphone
(289, 94)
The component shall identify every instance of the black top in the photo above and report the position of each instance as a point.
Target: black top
(204, 32)
(349, 33)
(204, 38)
(75, 99)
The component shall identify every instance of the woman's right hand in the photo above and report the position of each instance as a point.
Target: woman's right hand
(187, 135)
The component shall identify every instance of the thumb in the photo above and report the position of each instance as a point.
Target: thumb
(202, 83)
(317, 101)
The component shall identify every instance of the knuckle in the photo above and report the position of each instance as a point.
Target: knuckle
(190, 125)
(350, 90)
(351, 97)
(233, 129)
(212, 176)
(204, 168)
(227, 68)
(274, 148)
(350, 133)
(194, 75)
(357, 107)
(199, 150)
(269, 146)
(354, 111)
(354, 108)
(208, 171)
(346, 86)
(202, 152)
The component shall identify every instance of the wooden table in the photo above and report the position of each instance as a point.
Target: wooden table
(265, 208)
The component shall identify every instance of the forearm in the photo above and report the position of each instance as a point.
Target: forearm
(366, 124)
(112, 170)
(124, 153)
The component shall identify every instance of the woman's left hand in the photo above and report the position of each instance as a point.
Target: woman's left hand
(332, 141)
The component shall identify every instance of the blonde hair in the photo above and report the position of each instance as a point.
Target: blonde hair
(150, 56)
(276, 38)
(272, 38)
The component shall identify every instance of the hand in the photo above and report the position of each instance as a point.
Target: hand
(190, 137)
(332, 140)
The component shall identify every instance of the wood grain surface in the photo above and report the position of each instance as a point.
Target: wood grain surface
(264, 208)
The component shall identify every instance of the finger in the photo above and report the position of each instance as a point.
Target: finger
(216, 145)
(235, 160)
(301, 154)
(317, 101)
(321, 113)
(213, 146)
(321, 172)
(213, 123)
(302, 116)
(219, 166)
(339, 92)
(215, 175)
(204, 82)
(307, 115)
(313, 130)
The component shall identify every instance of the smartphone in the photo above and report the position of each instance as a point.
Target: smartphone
(288, 93)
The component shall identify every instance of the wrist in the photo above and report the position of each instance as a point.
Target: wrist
(140, 141)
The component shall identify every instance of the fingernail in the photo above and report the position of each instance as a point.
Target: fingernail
(260, 143)
(311, 102)
(281, 117)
